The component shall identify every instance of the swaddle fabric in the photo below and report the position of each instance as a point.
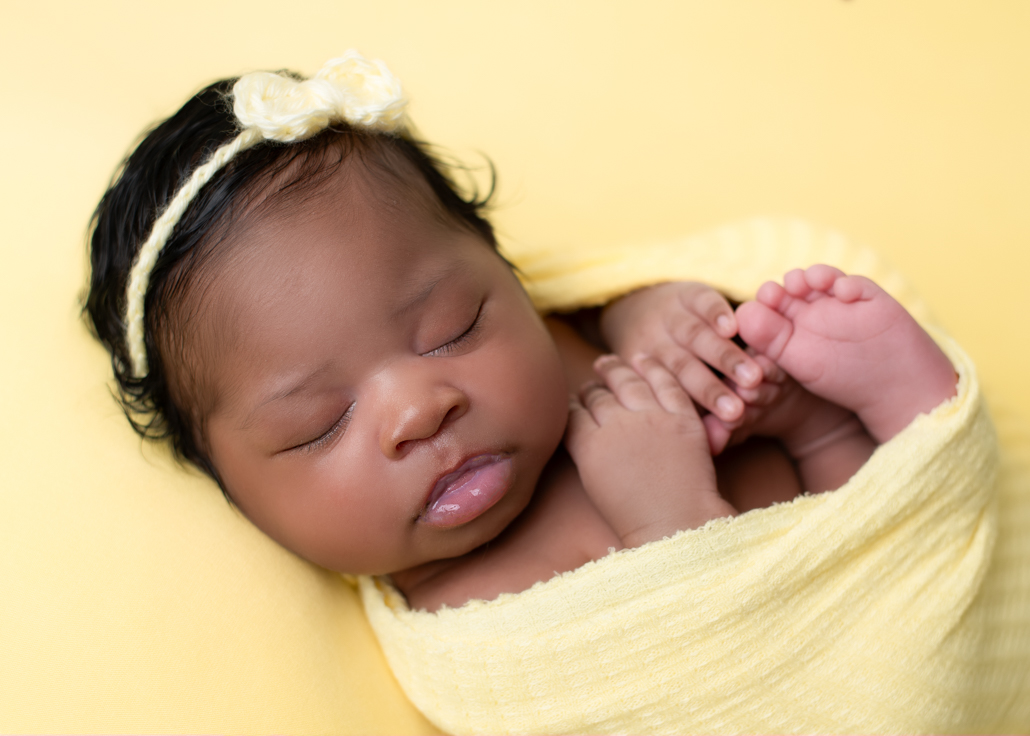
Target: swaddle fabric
(898, 603)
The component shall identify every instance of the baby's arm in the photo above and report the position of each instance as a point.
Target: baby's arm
(642, 452)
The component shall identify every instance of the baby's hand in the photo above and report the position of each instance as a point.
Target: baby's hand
(758, 400)
(688, 328)
(642, 452)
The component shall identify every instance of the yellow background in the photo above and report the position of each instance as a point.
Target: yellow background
(133, 598)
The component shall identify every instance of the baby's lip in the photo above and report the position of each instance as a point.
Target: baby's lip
(468, 491)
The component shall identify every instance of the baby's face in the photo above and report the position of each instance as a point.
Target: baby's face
(383, 392)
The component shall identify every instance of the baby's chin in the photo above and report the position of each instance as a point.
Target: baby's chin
(457, 545)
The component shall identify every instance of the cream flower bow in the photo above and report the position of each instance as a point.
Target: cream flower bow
(351, 88)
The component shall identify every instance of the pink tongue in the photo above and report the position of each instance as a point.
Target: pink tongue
(469, 495)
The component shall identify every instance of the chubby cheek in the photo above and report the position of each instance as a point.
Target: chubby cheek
(532, 381)
(323, 523)
(336, 528)
(306, 508)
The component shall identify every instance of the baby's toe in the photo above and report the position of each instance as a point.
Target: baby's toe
(771, 295)
(850, 289)
(765, 330)
(822, 277)
(796, 284)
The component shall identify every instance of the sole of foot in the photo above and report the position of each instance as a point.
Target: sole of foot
(847, 340)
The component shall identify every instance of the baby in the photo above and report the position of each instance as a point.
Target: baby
(294, 292)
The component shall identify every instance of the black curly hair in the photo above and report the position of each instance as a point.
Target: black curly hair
(149, 178)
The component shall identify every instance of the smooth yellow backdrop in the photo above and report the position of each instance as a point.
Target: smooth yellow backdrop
(134, 599)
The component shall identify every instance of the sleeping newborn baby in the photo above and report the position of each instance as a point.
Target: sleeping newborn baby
(323, 324)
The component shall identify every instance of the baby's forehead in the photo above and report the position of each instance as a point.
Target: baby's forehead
(314, 183)
(338, 264)
(371, 231)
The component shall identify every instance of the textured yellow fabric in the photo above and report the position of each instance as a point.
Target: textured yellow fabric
(133, 599)
(898, 603)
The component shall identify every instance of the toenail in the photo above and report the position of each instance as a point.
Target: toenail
(726, 405)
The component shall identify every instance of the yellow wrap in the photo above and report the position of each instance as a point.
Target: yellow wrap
(898, 603)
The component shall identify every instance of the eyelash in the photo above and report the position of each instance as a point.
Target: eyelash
(461, 339)
(323, 440)
(341, 424)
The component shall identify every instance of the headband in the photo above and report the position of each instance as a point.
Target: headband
(271, 107)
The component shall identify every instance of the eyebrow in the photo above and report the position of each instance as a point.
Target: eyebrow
(420, 297)
(288, 388)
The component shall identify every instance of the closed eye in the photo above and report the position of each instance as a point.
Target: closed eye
(461, 340)
(338, 428)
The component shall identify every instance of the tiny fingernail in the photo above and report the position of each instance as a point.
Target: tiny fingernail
(724, 323)
(747, 373)
(726, 405)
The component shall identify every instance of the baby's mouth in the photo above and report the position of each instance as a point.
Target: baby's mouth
(464, 494)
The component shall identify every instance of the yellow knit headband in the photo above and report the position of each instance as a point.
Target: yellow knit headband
(269, 106)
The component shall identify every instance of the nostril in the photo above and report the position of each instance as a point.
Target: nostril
(400, 447)
(422, 420)
(452, 414)
(449, 418)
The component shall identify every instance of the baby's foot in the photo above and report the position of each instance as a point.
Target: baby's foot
(845, 339)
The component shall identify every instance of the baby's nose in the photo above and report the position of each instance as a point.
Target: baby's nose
(419, 415)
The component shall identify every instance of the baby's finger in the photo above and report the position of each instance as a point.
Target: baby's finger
(666, 388)
(597, 400)
(713, 308)
(628, 387)
(701, 384)
(718, 433)
(581, 423)
(579, 417)
(765, 394)
(719, 352)
(771, 372)
(726, 434)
